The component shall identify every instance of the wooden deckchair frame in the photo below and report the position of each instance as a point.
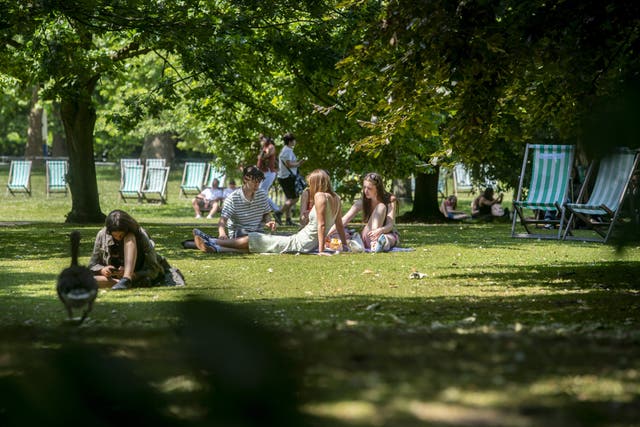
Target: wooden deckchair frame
(547, 189)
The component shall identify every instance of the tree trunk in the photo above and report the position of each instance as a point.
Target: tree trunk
(425, 199)
(34, 133)
(58, 144)
(159, 146)
(79, 118)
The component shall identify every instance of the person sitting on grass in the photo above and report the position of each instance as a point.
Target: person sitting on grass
(448, 209)
(324, 214)
(486, 207)
(124, 256)
(379, 211)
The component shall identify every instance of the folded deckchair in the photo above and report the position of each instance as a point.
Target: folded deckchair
(601, 211)
(20, 177)
(545, 176)
(131, 182)
(155, 183)
(56, 176)
(193, 177)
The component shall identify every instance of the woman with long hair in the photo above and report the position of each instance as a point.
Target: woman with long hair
(124, 255)
(324, 215)
(378, 208)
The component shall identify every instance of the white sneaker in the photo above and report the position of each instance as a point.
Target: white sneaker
(198, 216)
(209, 217)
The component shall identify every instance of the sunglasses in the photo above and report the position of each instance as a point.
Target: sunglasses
(373, 177)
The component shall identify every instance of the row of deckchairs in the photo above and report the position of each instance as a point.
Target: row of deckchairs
(55, 177)
(149, 182)
(545, 183)
(144, 182)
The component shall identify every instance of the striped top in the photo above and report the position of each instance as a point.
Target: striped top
(245, 214)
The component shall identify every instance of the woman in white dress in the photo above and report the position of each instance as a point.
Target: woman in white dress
(325, 214)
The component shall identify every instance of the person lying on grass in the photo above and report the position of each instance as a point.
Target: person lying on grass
(378, 211)
(324, 214)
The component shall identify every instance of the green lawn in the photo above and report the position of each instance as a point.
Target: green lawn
(499, 332)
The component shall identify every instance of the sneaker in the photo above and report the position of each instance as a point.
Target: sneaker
(124, 283)
(278, 217)
(209, 217)
(204, 242)
(291, 223)
(380, 244)
(198, 216)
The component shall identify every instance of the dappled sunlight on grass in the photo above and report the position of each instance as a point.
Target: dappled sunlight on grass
(472, 327)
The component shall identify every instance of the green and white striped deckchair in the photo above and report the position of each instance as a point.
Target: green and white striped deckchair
(131, 182)
(155, 163)
(610, 187)
(155, 183)
(546, 188)
(20, 177)
(214, 173)
(124, 163)
(56, 176)
(193, 177)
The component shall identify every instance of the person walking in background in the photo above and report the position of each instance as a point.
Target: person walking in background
(267, 164)
(324, 215)
(287, 170)
(379, 208)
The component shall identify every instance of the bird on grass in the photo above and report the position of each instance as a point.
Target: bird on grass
(77, 288)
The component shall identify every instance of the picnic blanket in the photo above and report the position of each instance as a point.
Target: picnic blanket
(190, 244)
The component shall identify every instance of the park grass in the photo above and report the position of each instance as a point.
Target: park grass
(498, 332)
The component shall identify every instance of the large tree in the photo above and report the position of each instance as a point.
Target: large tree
(483, 78)
(67, 48)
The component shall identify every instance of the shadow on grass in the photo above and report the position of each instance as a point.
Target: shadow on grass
(386, 365)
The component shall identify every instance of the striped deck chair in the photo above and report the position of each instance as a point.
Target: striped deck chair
(20, 177)
(56, 176)
(193, 178)
(126, 162)
(131, 182)
(155, 184)
(155, 163)
(214, 174)
(608, 193)
(546, 188)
